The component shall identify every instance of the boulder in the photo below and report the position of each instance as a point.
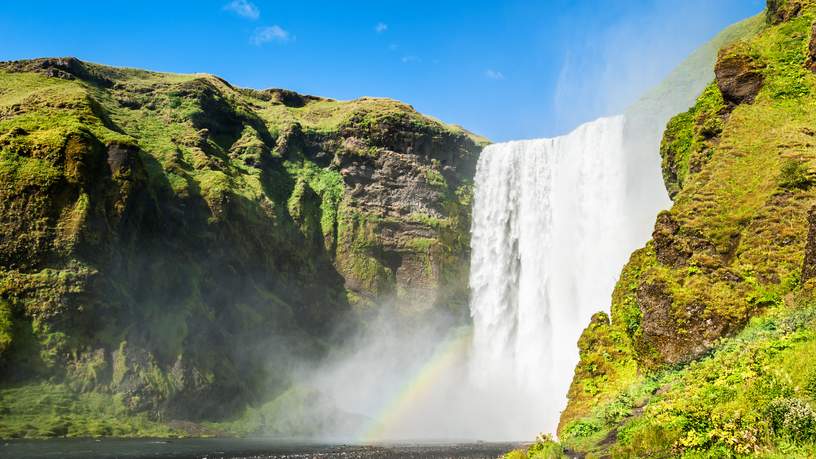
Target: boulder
(739, 77)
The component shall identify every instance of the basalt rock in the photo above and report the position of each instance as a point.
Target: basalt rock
(674, 245)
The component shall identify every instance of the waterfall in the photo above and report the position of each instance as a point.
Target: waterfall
(551, 232)
(554, 221)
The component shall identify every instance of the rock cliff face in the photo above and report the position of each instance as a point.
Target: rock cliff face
(163, 238)
(706, 351)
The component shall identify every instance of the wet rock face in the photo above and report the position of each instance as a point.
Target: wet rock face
(411, 196)
(392, 184)
(399, 233)
(739, 78)
(401, 230)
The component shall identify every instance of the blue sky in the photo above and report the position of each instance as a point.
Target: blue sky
(506, 69)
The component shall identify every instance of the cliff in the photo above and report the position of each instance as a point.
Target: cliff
(170, 244)
(708, 349)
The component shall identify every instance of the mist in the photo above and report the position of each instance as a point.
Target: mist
(605, 71)
(394, 382)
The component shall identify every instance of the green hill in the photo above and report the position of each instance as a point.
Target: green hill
(170, 244)
(709, 348)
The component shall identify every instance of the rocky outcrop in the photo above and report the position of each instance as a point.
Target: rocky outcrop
(675, 335)
(67, 68)
(739, 77)
(779, 11)
(400, 233)
(670, 248)
(690, 138)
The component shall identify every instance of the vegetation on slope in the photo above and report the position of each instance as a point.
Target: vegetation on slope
(753, 395)
(170, 244)
(707, 352)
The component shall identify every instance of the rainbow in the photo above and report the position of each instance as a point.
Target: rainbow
(444, 357)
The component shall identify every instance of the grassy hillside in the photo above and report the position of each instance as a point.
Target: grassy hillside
(170, 245)
(708, 350)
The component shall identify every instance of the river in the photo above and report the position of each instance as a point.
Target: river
(216, 448)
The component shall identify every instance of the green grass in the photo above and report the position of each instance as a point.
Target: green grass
(544, 448)
(54, 410)
(687, 142)
(6, 327)
(329, 115)
(724, 404)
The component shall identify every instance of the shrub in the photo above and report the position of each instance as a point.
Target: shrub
(515, 454)
(645, 439)
(618, 410)
(545, 448)
(742, 435)
(792, 418)
(794, 175)
(769, 387)
(581, 429)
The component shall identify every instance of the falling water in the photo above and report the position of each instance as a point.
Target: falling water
(554, 221)
(551, 231)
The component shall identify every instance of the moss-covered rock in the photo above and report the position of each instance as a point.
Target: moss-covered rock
(690, 138)
(785, 10)
(739, 76)
(164, 238)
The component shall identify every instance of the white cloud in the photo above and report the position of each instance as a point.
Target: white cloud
(494, 74)
(275, 33)
(381, 27)
(393, 47)
(411, 59)
(243, 8)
